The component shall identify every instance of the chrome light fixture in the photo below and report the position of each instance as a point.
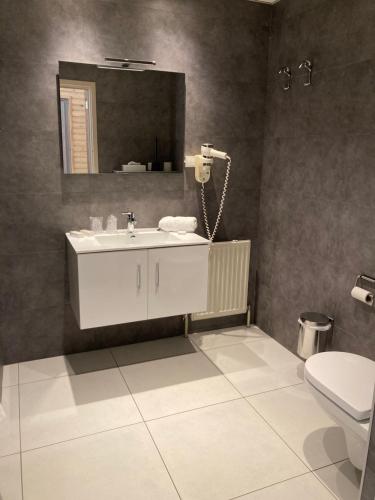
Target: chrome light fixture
(125, 64)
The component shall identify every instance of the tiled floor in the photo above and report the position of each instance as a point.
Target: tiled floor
(223, 415)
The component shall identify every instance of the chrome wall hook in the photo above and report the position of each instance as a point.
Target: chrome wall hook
(308, 67)
(285, 70)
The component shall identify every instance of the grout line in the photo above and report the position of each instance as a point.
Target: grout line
(249, 395)
(110, 349)
(240, 342)
(324, 485)
(162, 459)
(45, 379)
(247, 341)
(220, 371)
(19, 429)
(80, 437)
(274, 430)
(194, 409)
(314, 472)
(149, 432)
(273, 390)
(270, 485)
(67, 375)
(117, 367)
(329, 465)
(9, 455)
(267, 423)
(145, 422)
(308, 470)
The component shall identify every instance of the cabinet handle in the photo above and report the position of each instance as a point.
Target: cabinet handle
(157, 275)
(138, 276)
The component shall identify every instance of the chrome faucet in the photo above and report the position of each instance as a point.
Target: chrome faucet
(132, 221)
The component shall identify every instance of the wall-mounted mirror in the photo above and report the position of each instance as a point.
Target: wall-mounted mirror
(120, 121)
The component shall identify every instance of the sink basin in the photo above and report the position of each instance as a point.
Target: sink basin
(141, 238)
(137, 238)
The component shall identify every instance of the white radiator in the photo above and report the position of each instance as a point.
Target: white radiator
(228, 279)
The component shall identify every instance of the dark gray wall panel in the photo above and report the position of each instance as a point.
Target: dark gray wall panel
(317, 204)
(223, 51)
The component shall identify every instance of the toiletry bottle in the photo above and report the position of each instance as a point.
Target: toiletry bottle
(157, 166)
(111, 224)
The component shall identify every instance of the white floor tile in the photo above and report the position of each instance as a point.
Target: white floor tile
(305, 487)
(255, 367)
(10, 375)
(177, 384)
(342, 479)
(227, 336)
(152, 350)
(9, 421)
(222, 451)
(114, 465)
(10, 478)
(72, 364)
(63, 408)
(305, 426)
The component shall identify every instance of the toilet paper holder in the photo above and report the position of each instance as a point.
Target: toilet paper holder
(363, 294)
(365, 277)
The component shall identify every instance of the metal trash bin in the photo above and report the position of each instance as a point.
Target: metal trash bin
(315, 333)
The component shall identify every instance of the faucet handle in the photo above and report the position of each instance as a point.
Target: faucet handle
(130, 215)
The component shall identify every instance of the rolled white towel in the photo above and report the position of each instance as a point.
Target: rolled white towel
(175, 224)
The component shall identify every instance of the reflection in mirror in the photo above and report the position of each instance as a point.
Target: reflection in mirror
(120, 121)
(78, 127)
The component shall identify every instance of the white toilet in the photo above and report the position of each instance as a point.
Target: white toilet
(343, 384)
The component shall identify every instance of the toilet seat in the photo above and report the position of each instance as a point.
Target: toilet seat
(347, 379)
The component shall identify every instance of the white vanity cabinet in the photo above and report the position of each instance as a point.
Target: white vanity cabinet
(111, 287)
(177, 280)
(122, 286)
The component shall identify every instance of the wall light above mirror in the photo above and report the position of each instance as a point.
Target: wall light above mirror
(119, 122)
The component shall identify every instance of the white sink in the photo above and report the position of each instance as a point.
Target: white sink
(141, 238)
(136, 238)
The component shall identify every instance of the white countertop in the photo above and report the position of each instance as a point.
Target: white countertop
(140, 239)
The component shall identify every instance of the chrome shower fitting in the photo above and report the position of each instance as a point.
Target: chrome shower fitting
(307, 65)
(285, 70)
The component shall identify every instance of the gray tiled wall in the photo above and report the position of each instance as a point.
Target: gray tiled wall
(223, 51)
(317, 206)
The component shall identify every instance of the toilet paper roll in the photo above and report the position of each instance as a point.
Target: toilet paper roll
(363, 295)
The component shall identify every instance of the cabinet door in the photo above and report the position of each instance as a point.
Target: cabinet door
(112, 287)
(177, 280)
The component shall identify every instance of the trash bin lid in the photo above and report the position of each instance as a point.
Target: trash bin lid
(314, 319)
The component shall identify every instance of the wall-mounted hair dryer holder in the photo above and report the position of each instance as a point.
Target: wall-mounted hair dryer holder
(203, 162)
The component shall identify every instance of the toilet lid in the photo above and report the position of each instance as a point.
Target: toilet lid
(346, 379)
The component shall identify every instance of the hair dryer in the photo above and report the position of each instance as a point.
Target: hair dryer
(208, 151)
(205, 160)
